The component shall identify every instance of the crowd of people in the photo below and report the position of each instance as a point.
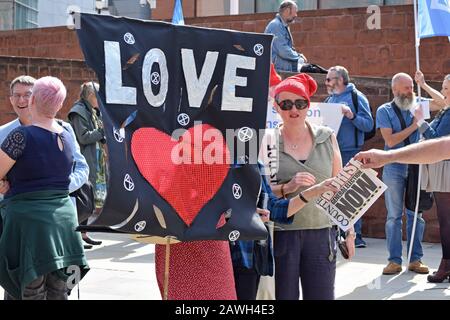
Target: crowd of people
(44, 159)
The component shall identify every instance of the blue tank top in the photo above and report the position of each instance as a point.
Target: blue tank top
(40, 164)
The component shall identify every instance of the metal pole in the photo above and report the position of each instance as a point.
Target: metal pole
(416, 33)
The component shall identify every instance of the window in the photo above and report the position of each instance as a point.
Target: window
(272, 5)
(207, 8)
(25, 14)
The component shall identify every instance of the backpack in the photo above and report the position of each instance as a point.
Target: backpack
(426, 199)
(84, 196)
(367, 135)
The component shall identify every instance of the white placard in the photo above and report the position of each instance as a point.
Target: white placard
(273, 118)
(358, 190)
(425, 108)
(327, 114)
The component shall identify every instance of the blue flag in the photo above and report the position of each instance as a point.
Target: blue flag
(434, 18)
(178, 13)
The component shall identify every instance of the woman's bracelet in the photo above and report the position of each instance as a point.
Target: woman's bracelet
(302, 197)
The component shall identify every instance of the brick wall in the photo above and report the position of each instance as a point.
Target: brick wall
(326, 37)
(340, 36)
(74, 72)
(58, 42)
(164, 9)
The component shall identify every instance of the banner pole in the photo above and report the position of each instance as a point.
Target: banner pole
(166, 270)
(417, 43)
(416, 211)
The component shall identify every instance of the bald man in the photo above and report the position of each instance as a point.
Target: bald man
(398, 128)
(284, 55)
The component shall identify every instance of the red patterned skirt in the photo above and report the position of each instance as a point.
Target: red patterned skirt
(199, 270)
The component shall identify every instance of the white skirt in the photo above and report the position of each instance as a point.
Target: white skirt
(436, 177)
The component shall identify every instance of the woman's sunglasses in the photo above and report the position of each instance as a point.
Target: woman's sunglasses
(287, 104)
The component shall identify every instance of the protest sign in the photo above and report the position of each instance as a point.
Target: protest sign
(358, 190)
(425, 105)
(321, 114)
(180, 110)
(326, 114)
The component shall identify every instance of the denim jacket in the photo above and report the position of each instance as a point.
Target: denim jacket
(284, 56)
(439, 127)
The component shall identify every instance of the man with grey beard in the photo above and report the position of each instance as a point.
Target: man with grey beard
(398, 128)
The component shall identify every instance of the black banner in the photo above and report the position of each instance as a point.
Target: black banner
(183, 110)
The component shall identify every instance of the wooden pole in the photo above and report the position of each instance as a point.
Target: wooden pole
(166, 270)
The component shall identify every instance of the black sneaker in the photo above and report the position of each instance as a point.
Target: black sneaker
(359, 242)
(91, 241)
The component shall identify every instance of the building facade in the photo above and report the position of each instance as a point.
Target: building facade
(27, 14)
(205, 8)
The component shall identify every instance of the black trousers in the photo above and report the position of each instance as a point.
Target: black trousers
(442, 200)
(246, 283)
(309, 256)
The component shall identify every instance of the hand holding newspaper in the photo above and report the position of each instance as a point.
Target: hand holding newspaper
(358, 190)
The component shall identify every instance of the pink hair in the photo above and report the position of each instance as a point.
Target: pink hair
(49, 94)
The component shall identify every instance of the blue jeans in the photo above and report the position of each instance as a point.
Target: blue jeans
(395, 179)
(346, 156)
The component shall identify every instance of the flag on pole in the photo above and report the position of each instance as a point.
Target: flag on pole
(178, 13)
(434, 18)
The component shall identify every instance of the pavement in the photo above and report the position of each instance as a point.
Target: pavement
(123, 269)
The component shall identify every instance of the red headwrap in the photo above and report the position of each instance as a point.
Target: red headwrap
(300, 84)
(274, 76)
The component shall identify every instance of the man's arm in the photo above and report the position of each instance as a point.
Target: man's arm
(386, 128)
(393, 139)
(363, 120)
(281, 44)
(429, 151)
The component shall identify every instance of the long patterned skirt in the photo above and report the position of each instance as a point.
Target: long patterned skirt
(199, 270)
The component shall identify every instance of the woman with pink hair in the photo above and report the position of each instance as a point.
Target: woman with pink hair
(38, 242)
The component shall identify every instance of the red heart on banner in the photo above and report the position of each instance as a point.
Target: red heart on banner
(186, 172)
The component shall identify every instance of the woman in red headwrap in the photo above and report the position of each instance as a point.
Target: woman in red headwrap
(307, 155)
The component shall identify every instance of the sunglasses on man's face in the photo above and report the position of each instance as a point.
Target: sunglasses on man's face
(287, 104)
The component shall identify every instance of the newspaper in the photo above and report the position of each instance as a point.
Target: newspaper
(358, 190)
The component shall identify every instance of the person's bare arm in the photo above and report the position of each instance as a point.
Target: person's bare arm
(337, 159)
(438, 101)
(429, 151)
(295, 203)
(6, 164)
(301, 179)
(392, 139)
